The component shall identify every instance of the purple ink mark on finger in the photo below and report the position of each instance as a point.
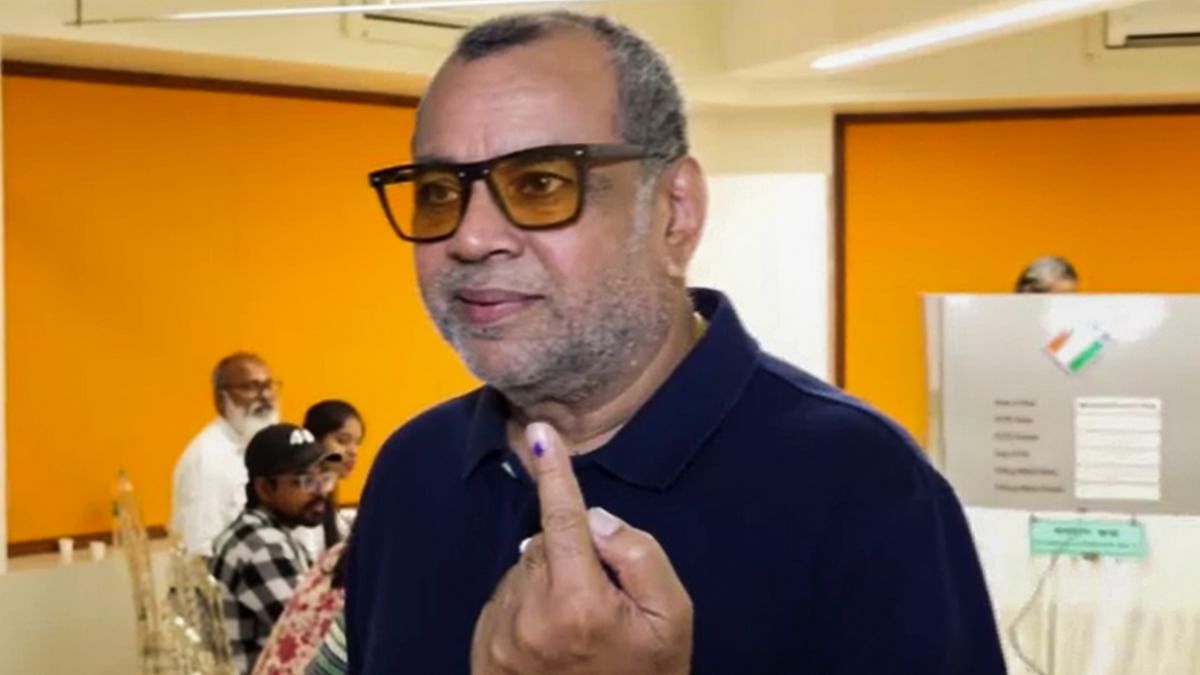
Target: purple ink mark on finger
(538, 450)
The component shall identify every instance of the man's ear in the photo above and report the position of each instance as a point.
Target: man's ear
(687, 206)
(263, 487)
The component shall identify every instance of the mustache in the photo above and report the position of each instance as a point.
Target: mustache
(260, 410)
(452, 281)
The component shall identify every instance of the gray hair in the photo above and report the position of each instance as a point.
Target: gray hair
(1040, 274)
(650, 107)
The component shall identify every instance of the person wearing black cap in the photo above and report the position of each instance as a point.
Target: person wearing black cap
(257, 559)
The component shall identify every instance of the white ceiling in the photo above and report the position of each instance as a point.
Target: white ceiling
(729, 53)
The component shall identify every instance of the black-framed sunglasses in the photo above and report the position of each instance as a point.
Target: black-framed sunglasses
(536, 188)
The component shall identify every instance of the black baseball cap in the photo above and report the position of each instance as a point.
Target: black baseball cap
(284, 448)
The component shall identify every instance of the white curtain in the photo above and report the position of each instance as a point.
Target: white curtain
(1101, 617)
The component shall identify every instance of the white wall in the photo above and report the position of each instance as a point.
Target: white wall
(779, 140)
(766, 246)
(768, 237)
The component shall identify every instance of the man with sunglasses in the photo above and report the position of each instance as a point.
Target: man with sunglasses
(209, 478)
(257, 559)
(637, 489)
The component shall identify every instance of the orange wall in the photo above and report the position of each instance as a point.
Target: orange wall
(148, 232)
(963, 206)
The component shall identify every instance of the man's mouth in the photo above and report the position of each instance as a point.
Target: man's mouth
(488, 306)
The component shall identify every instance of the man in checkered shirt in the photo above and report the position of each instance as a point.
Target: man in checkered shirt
(256, 558)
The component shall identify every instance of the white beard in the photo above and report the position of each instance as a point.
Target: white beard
(249, 421)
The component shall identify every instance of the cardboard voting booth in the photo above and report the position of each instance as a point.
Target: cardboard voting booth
(1067, 402)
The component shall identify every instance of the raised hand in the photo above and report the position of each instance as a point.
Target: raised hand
(556, 611)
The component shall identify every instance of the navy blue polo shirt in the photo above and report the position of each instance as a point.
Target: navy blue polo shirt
(810, 532)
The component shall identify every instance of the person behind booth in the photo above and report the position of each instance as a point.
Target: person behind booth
(208, 483)
(257, 559)
(637, 488)
(1049, 274)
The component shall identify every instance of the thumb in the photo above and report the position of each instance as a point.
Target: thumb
(641, 565)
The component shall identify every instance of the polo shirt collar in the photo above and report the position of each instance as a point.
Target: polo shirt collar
(657, 444)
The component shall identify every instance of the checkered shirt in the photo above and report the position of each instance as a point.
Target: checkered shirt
(259, 565)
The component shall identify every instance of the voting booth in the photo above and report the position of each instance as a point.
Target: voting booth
(1069, 426)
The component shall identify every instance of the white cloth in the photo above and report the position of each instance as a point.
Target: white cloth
(1104, 617)
(313, 538)
(208, 486)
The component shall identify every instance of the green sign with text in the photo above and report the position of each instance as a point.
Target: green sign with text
(1113, 538)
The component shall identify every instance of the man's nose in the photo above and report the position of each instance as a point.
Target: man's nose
(484, 230)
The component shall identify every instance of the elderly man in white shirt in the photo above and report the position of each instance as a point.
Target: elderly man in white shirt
(209, 483)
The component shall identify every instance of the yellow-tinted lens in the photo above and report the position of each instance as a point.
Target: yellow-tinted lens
(538, 192)
(437, 203)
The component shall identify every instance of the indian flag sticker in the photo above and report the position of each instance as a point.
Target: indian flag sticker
(1075, 348)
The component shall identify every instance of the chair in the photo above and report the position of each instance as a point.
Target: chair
(179, 632)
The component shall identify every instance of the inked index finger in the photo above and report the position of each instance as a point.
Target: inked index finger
(570, 556)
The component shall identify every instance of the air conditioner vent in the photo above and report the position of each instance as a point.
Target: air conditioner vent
(1162, 23)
